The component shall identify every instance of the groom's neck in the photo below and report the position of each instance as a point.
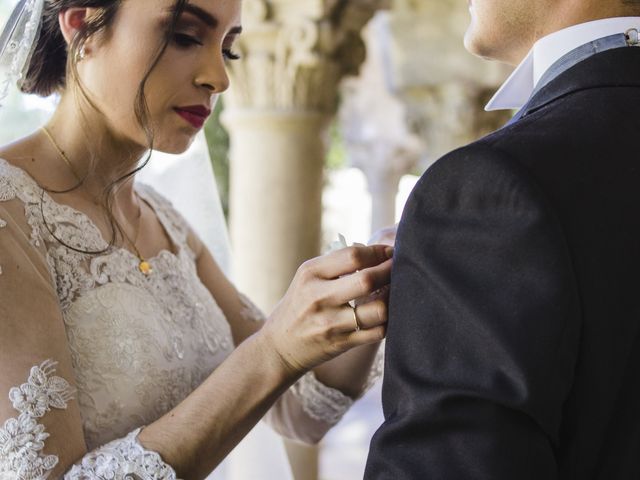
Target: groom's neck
(561, 15)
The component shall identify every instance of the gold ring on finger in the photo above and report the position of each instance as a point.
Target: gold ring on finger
(355, 319)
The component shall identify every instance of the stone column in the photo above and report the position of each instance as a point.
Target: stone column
(443, 87)
(450, 115)
(375, 129)
(284, 93)
(277, 163)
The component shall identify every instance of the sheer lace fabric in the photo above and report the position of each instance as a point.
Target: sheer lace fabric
(317, 401)
(22, 438)
(139, 344)
(123, 459)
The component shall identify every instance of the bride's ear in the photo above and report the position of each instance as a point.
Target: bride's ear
(73, 21)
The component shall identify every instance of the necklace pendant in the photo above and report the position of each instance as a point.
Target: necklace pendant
(145, 268)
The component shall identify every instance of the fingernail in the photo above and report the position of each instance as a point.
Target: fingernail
(389, 252)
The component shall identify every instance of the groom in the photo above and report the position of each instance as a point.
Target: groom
(513, 346)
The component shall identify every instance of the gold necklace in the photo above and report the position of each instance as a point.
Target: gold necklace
(144, 266)
(61, 153)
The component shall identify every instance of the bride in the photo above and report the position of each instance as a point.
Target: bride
(124, 350)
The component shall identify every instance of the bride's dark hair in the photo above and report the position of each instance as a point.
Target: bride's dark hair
(53, 64)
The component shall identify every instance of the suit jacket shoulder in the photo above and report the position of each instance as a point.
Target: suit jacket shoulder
(513, 346)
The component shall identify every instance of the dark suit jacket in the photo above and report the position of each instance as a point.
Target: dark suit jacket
(513, 347)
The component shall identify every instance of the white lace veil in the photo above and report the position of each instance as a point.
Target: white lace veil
(188, 181)
(17, 42)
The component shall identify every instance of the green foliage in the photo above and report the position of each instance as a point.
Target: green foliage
(337, 152)
(218, 141)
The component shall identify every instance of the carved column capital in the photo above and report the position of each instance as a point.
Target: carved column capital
(295, 53)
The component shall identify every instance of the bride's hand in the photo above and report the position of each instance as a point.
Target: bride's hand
(313, 322)
(383, 236)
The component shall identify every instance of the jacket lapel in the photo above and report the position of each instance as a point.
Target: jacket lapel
(619, 67)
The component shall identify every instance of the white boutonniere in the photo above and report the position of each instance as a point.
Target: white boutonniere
(338, 244)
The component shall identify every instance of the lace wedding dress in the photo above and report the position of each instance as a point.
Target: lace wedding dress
(138, 344)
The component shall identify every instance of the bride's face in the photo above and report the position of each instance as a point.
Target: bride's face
(190, 74)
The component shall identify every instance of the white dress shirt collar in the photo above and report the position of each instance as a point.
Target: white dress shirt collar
(516, 90)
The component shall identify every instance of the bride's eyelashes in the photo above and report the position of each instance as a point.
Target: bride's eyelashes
(184, 40)
(229, 54)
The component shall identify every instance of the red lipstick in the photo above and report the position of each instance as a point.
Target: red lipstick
(196, 115)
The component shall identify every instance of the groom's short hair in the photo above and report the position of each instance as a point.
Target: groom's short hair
(632, 6)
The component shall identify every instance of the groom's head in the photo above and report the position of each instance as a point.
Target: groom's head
(505, 30)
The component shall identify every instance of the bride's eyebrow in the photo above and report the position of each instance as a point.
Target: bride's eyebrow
(204, 16)
(201, 14)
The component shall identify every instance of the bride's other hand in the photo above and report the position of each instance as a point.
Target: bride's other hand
(313, 322)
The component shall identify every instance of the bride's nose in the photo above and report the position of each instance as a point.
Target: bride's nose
(212, 74)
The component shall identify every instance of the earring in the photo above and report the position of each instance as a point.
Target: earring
(81, 54)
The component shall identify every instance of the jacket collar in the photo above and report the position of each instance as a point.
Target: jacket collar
(525, 79)
(619, 67)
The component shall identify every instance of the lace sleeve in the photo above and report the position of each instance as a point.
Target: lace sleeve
(316, 399)
(327, 404)
(122, 459)
(310, 408)
(308, 384)
(22, 439)
(320, 402)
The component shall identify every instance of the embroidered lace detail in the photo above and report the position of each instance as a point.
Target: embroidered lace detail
(22, 439)
(327, 404)
(139, 345)
(250, 311)
(319, 401)
(7, 192)
(122, 459)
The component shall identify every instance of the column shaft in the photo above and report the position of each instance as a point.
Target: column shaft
(277, 161)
